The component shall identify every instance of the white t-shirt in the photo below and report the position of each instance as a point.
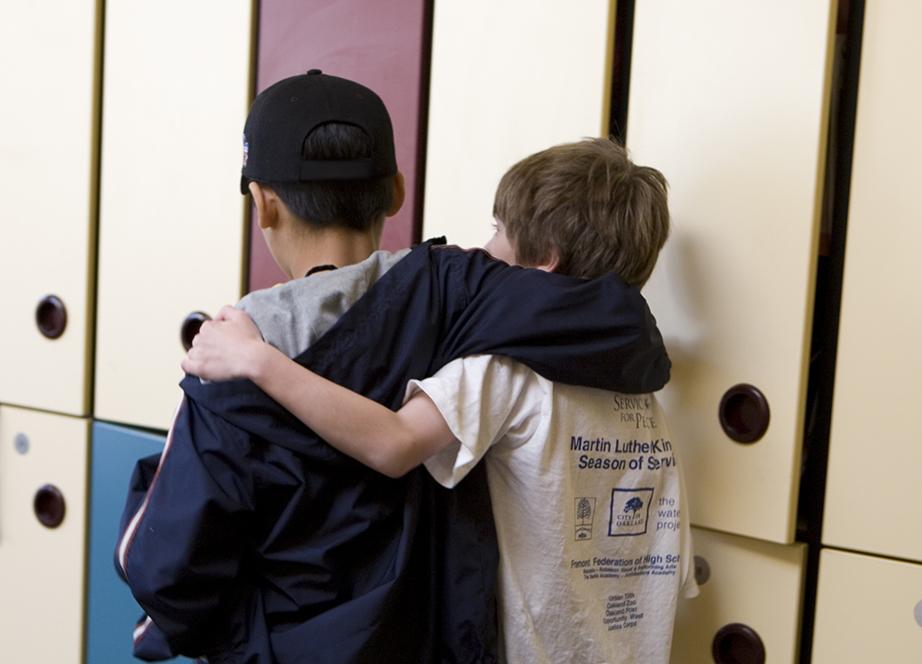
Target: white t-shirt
(589, 504)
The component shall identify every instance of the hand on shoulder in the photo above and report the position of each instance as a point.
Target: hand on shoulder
(225, 348)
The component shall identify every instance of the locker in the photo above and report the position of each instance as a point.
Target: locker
(873, 497)
(112, 612)
(176, 93)
(868, 610)
(508, 79)
(48, 184)
(748, 611)
(43, 467)
(381, 45)
(729, 101)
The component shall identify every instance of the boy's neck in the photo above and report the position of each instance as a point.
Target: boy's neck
(335, 246)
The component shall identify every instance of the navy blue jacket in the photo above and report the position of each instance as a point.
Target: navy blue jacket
(257, 542)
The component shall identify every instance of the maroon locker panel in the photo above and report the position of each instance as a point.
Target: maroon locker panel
(380, 44)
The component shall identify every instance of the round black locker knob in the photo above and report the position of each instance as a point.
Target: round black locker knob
(51, 316)
(702, 570)
(49, 506)
(190, 327)
(744, 413)
(737, 643)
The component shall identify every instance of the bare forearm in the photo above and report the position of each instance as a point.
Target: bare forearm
(357, 426)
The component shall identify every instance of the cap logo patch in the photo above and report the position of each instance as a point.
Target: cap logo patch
(246, 150)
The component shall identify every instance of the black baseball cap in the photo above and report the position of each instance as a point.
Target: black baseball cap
(284, 114)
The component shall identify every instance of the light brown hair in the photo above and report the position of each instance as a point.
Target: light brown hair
(591, 205)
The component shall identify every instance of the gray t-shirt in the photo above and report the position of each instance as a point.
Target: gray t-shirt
(292, 316)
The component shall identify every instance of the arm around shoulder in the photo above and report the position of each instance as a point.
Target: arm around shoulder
(392, 443)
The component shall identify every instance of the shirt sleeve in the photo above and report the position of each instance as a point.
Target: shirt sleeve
(181, 548)
(485, 400)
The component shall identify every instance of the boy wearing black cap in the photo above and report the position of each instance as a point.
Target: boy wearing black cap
(250, 539)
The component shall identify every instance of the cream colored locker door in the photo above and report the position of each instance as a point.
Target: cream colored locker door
(43, 470)
(507, 79)
(49, 82)
(176, 93)
(750, 602)
(867, 610)
(873, 493)
(729, 101)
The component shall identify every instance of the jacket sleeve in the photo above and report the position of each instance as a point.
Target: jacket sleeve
(180, 547)
(141, 477)
(594, 332)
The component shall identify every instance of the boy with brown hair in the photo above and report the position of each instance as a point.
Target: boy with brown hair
(587, 204)
(585, 484)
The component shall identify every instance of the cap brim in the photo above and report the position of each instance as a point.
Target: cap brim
(244, 185)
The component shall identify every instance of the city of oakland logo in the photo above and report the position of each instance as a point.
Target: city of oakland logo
(630, 510)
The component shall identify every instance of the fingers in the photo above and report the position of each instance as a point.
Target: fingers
(219, 350)
(189, 363)
(203, 329)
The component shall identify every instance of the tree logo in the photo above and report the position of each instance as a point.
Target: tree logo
(585, 513)
(633, 505)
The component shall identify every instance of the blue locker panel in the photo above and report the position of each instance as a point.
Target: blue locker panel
(111, 610)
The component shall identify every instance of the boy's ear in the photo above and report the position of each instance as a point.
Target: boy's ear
(400, 194)
(266, 202)
(552, 262)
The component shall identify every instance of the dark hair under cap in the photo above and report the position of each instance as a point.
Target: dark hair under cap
(285, 113)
